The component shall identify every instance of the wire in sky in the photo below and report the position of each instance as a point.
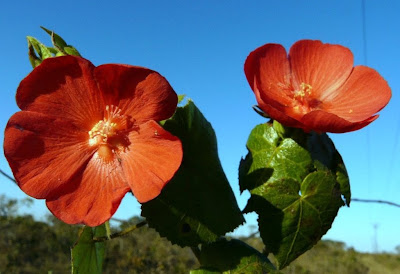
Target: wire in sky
(368, 137)
(364, 31)
(374, 201)
(8, 176)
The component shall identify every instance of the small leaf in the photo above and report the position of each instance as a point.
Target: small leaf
(296, 181)
(55, 38)
(181, 97)
(60, 45)
(37, 51)
(70, 50)
(33, 59)
(87, 255)
(197, 205)
(233, 256)
(52, 50)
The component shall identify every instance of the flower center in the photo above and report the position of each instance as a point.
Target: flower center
(305, 90)
(109, 134)
(303, 101)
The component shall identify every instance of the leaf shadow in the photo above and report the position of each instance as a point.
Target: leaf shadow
(269, 221)
(254, 179)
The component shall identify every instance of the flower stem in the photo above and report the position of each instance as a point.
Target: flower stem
(120, 233)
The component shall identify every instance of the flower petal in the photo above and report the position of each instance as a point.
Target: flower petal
(62, 87)
(274, 113)
(154, 157)
(96, 194)
(321, 121)
(44, 152)
(323, 66)
(364, 94)
(268, 68)
(140, 93)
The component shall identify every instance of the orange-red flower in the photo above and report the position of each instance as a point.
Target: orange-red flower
(87, 135)
(315, 87)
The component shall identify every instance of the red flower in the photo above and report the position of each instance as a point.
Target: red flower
(316, 87)
(87, 135)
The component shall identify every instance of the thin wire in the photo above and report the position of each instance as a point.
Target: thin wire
(8, 176)
(374, 201)
(368, 133)
(392, 158)
(364, 32)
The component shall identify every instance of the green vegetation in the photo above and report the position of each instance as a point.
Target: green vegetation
(333, 257)
(30, 246)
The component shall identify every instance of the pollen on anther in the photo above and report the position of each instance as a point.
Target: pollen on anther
(305, 90)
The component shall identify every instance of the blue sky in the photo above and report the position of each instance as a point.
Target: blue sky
(200, 47)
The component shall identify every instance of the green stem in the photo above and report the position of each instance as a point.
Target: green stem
(120, 233)
(108, 229)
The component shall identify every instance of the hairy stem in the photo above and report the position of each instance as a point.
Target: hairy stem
(120, 233)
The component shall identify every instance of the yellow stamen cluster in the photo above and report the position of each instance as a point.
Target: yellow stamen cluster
(305, 89)
(106, 128)
(102, 130)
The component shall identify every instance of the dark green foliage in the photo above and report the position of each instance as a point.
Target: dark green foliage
(234, 256)
(197, 205)
(334, 257)
(29, 246)
(144, 251)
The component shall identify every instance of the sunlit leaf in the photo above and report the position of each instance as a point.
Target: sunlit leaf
(60, 45)
(197, 205)
(180, 98)
(37, 52)
(72, 51)
(296, 181)
(56, 39)
(87, 255)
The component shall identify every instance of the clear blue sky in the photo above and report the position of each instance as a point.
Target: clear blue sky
(200, 47)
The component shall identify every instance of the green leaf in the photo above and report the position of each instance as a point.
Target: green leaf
(197, 205)
(180, 98)
(296, 181)
(55, 38)
(37, 51)
(87, 255)
(60, 46)
(70, 50)
(343, 179)
(326, 157)
(233, 256)
(52, 50)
